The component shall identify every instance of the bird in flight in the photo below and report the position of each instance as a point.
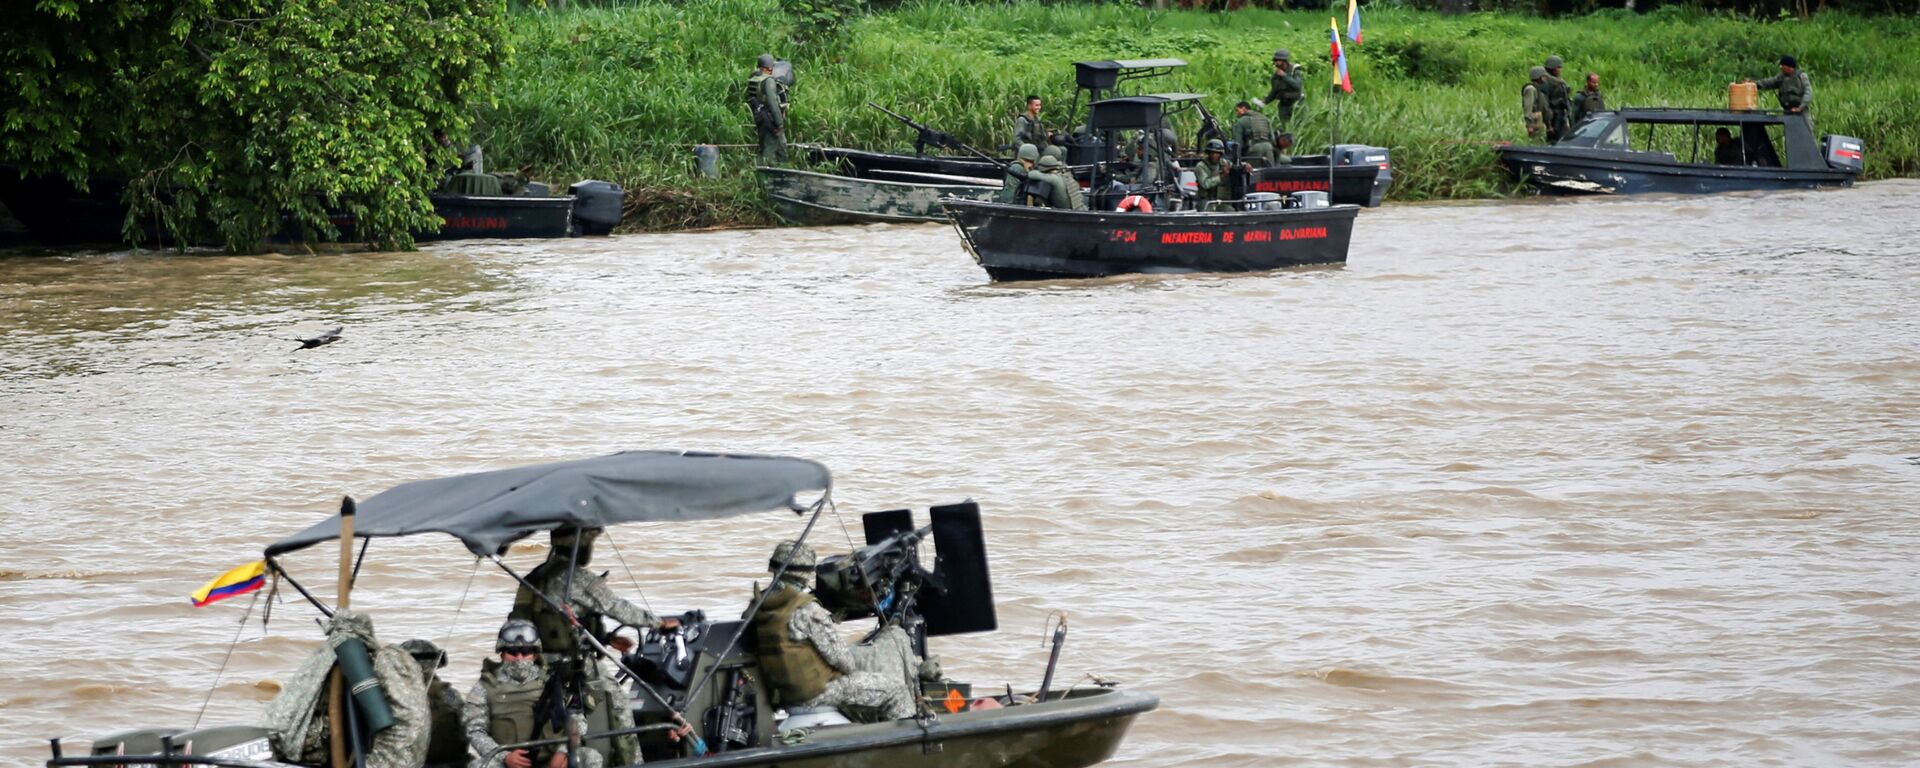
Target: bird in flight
(326, 337)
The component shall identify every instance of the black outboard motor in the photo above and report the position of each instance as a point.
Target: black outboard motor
(1845, 153)
(596, 206)
(1361, 154)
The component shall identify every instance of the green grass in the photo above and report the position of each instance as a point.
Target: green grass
(624, 93)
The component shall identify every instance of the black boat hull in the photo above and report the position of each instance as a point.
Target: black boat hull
(1020, 243)
(1582, 171)
(1347, 185)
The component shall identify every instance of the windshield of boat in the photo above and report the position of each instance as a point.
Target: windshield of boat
(1599, 134)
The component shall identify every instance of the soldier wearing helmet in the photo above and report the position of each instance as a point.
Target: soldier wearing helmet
(1017, 172)
(1286, 87)
(767, 104)
(1212, 172)
(1533, 103)
(446, 738)
(808, 664)
(571, 549)
(1559, 101)
(1060, 175)
(500, 709)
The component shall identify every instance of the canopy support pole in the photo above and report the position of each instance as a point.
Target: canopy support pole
(759, 599)
(275, 565)
(345, 584)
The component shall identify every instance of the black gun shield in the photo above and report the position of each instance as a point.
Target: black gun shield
(880, 525)
(960, 547)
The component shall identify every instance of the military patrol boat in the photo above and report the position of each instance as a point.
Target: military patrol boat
(703, 699)
(1674, 150)
(1142, 220)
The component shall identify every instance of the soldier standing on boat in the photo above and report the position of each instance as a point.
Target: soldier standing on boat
(1027, 128)
(767, 102)
(1253, 132)
(592, 598)
(1533, 103)
(446, 737)
(1212, 172)
(1287, 87)
(1588, 101)
(808, 664)
(1559, 101)
(500, 709)
(1795, 90)
(1023, 162)
(1063, 191)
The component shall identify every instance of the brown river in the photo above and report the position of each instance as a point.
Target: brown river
(1602, 482)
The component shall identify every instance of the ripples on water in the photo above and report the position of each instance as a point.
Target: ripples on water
(1608, 482)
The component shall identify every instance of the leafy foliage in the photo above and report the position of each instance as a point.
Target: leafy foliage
(226, 116)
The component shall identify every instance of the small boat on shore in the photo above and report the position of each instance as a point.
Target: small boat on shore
(810, 198)
(1640, 150)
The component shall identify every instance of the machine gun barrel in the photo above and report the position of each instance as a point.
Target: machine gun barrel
(927, 136)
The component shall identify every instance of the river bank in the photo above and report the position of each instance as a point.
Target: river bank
(625, 93)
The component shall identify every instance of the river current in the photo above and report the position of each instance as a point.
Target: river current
(1594, 482)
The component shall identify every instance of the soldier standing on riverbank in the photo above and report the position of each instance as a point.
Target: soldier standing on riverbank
(1559, 101)
(1287, 87)
(1588, 100)
(1796, 91)
(1533, 103)
(767, 102)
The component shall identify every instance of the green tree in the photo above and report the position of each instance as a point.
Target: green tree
(230, 118)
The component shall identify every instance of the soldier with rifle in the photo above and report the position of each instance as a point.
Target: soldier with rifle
(767, 101)
(808, 664)
(512, 704)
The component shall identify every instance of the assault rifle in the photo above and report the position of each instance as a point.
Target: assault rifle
(1210, 129)
(925, 137)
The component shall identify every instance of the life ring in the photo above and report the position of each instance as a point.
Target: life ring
(1134, 203)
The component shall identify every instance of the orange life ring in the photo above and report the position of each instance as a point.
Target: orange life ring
(1134, 203)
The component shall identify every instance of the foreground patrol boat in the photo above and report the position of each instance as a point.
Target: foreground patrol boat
(1155, 226)
(1638, 150)
(704, 674)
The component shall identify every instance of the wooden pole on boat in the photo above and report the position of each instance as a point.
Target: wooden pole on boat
(346, 552)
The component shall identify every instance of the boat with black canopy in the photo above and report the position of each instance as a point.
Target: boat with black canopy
(1687, 151)
(700, 698)
(1143, 219)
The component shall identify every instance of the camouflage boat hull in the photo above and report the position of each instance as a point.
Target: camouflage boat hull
(811, 199)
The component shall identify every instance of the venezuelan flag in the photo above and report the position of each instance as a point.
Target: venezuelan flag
(1340, 77)
(1353, 21)
(238, 581)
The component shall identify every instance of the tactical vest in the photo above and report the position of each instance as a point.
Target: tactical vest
(756, 104)
(510, 712)
(1259, 129)
(447, 740)
(556, 635)
(794, 668)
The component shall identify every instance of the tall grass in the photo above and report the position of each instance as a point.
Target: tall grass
(624, 93)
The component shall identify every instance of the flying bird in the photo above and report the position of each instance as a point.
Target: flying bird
(326, 337)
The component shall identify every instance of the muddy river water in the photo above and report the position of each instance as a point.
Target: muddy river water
(1605, 482)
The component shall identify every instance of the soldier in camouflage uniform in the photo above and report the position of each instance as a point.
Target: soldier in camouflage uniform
(446, 739)
(1796, 91)
(808, 664)
(592, 599)
(1213, 173)
(1286, 87)
(1070, 187)
(767, 103)
(1588, 101)
(1016, 177)
(296, 719)
(1533, 103)
(1057, 194)
(500, 709)
(1253, 132)
(1559, 101)
(1027, 128)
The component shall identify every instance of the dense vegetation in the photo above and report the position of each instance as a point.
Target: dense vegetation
(624, 93)
(225, 115)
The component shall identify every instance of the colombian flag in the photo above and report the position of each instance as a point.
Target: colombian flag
(1339, 59)
(1353, 21)
(238, 581)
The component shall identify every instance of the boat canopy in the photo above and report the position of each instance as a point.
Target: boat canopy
(1136, 112)
(1678, 116)
(1103, 75)
(490, 510)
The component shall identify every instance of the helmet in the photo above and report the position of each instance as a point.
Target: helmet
(1536, 73)
(1049, 162)
(562, 540)
(1216, 145)
(766, 60)
(795, 555)
(1554, 62)
(1054, 151)
(1282, 55)
(1788, 61)
(517, 633)
(425, 652)
(1029, 153)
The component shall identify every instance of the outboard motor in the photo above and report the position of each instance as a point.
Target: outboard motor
(1844, 153)
(596, 206)
(1312, 199)
(1189, 183)
(1264, 201)
(1361, 154)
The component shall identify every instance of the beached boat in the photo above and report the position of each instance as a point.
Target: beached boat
(810, 198)
(1691, 151)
